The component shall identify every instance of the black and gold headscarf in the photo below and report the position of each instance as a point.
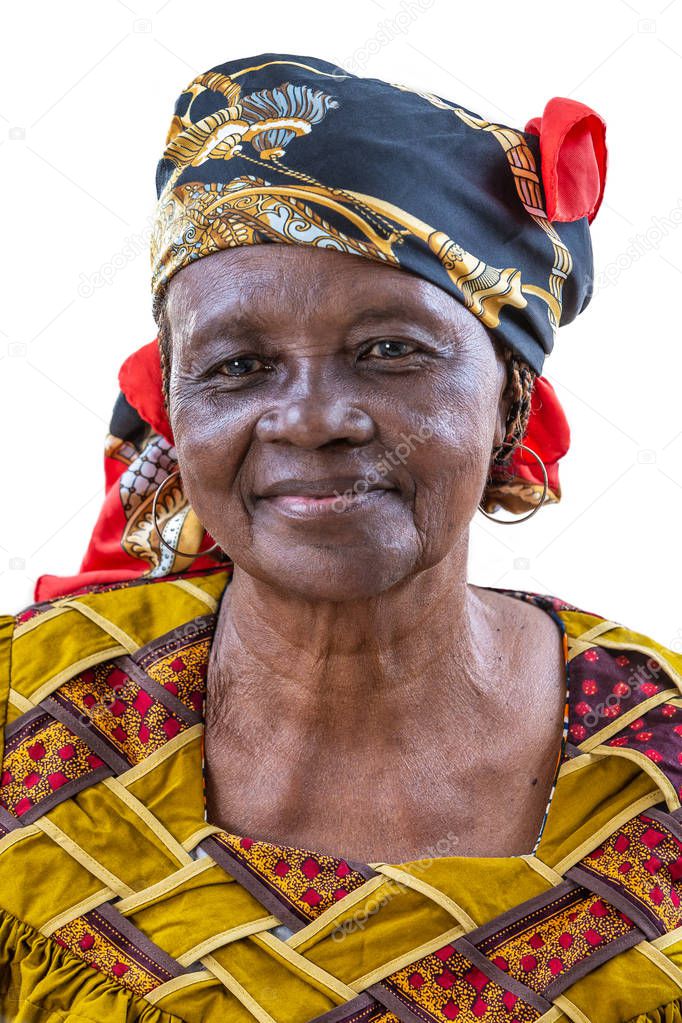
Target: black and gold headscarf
(293, 149)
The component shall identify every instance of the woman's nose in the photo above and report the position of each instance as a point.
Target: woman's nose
(315, 419)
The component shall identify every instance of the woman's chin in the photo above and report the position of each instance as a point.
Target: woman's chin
(321, 572)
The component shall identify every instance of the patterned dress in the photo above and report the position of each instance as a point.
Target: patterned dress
(121, 903)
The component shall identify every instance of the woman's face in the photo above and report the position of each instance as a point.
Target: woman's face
(299, 372)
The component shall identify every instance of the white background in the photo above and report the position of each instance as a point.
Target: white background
(87, 92)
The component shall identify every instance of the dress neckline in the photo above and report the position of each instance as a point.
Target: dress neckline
(547, 603)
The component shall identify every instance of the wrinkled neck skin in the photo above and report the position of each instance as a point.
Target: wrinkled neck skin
(335, 672)
(422, 721)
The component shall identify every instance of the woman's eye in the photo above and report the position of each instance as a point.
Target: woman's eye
(392, 349)
(240, 366)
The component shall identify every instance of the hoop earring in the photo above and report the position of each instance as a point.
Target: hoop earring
(545, 487)
(169, 547)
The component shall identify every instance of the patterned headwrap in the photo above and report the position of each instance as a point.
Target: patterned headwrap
(283, 148)
(293, 149)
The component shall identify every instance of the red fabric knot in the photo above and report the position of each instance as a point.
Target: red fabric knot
(547, 434)
(141, 382)
(573, 158)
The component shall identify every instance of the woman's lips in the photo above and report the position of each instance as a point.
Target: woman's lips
(301, 506)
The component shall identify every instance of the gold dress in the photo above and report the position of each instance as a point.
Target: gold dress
(121, 903)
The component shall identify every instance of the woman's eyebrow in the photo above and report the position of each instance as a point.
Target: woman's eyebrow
(249, 326)
(398, 311)
(223, 325)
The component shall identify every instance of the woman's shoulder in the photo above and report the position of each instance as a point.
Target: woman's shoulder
(624, 693)
(624, 690)
(624, 717)
(47, 643)
(83, 706)
(614, 666)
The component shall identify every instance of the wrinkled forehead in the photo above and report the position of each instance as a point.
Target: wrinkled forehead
(269, 284)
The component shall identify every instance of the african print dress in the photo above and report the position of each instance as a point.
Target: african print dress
(120, 903)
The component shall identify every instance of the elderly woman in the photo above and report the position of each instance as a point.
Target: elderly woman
(270, 756)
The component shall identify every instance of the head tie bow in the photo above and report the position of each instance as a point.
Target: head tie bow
(573, 158)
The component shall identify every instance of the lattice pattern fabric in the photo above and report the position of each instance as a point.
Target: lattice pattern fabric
(119, 902)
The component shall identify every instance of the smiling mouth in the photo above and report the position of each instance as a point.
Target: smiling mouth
(305, 506)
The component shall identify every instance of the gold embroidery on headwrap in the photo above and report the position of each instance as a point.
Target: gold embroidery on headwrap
(196, 219)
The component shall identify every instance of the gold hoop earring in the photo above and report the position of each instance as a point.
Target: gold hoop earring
(545, 487)
(169, 547)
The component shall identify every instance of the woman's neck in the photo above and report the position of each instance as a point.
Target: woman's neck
(336, 662)
(361, 726)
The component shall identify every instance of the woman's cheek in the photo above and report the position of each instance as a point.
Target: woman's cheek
(201, 424)
(207, 446)
(455, 440)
